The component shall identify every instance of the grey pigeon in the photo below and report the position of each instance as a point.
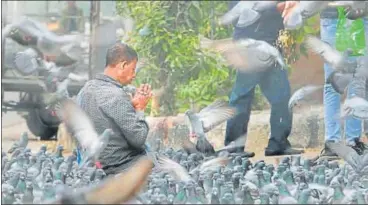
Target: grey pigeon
(40, 37)
(303, 11)
(356, 107)
(340, 81)
(60, 93)
(78, 123)
(338, 61)
(237, 144)
(20, 144)
(246, 12)
(358, 163)
(301, 94)
(208, 118)
(181, 174)
(247, 55)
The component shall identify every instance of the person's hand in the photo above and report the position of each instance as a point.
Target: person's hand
(352, 14)
(286, 8)
(142, 97)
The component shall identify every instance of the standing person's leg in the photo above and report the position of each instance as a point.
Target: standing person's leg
(353, 125)
(365, 124)
(331, 99)
(366, 97)
(276, 88)
(241, 98)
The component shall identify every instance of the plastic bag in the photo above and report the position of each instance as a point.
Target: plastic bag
(350, 36)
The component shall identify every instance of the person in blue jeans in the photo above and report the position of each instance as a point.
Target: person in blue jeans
(332, 99)
(274, 84)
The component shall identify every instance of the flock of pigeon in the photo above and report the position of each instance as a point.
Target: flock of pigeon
(198, 173)
(182, 177)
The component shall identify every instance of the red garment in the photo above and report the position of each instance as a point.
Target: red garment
(98, 165)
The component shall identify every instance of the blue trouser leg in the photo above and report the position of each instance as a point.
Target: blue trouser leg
(241, 98)
(275, 86)
(331, 98)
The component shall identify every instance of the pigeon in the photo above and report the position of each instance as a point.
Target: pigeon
(234, 145)
(61, 93)
(247, 55)
(338, 61)
(39, 37)
(356, 107)
(246, 12)
(303, 11)
(20, 144)
(181, 174)
(339, 81)
(130, 182)
(357, 162)
(78, 123)
(302, 93)
(204, 121)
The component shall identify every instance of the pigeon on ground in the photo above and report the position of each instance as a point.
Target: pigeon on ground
(20, 144)
(357, 162)
(204, 121)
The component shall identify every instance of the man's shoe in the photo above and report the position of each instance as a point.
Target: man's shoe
(326, 153)
(359, 146)
(239, 151)
(288, 151)
(247, 154)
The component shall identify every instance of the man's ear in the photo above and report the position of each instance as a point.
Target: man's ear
(123, 64)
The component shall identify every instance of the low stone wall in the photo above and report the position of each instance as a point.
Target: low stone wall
(307, 132)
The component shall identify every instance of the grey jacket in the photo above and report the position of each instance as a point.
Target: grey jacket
(108, 105)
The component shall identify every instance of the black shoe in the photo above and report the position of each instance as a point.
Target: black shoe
(238, 151)
(326, 153)
(359, 147)
(288, 151)
(246, 154)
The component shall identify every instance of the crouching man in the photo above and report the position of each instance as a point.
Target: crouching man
(109, 105)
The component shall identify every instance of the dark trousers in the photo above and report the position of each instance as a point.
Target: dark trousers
(275, 86)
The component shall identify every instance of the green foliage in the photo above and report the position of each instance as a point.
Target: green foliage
(292, 41)
(172, 47)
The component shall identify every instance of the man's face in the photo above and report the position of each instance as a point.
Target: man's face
(126, 72)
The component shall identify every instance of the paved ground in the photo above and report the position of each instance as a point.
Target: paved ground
(13, 125)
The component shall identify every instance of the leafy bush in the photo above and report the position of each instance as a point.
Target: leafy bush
(167, 34)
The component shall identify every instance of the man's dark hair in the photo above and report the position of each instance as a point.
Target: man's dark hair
(120, 52)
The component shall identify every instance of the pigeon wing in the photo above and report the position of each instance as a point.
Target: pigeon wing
(339, 81)
(329, 54)
(215, 114)
(240, 142)
(347, 153)
(211, 164)
(235, 12)
(78, 123)
(173, 168)
(247, 17)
